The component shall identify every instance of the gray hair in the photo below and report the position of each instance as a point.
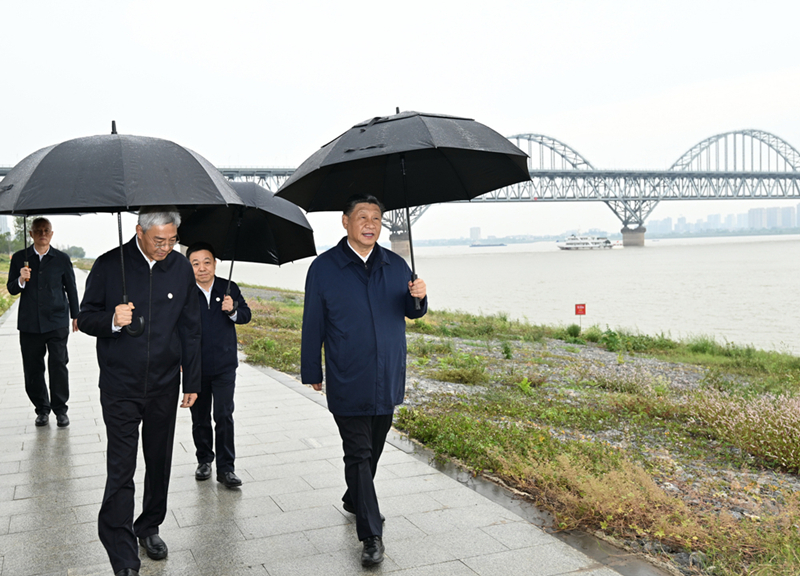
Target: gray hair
(40, 220)
(150, 216)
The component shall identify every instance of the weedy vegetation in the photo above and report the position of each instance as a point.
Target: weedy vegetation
(675, 447)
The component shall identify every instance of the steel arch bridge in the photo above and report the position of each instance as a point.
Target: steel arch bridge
(744, 164)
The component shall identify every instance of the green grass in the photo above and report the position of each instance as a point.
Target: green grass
(589, 445)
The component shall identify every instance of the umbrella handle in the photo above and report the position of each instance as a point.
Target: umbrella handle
(136, 332)
(416, 300)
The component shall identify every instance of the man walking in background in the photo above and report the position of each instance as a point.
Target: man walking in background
(140, 376)
(358, 295)
(45, 281)
(219, 319)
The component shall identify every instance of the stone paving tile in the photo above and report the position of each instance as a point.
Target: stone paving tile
(419, 551)
(288, 522)
(516, 535)
(545, 560)
(455, 568)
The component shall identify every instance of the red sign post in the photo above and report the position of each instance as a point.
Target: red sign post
(580, 310)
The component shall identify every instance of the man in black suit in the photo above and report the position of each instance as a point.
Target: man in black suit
(140, 376)
(219, 366)
(45, 280)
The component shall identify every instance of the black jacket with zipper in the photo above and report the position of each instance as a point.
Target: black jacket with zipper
(166, 296)
(219, 333)
(50, 297)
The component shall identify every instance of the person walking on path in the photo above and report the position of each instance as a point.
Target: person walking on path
(219, 362)
(48, 298)
(140, 376)
(357, 297)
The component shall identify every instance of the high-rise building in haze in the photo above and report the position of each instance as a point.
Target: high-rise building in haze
(5, 224)
(757, 218)
(773, 217)
(475, 233)
(788, 217)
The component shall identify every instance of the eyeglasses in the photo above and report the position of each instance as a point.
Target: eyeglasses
(164, 243)
(38, 231)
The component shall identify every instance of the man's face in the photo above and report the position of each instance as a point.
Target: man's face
(42, 233)
(158, 241)
(363, 226)
(204, 266)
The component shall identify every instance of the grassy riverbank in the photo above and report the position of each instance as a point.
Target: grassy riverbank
(685, 450)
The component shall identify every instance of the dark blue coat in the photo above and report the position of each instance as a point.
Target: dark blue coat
(147, 365)
(360, 319)
(50, 297)
(219, 332)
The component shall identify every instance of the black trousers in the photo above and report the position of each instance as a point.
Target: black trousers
(216, 390)
(363, 438)
(117, 530)
(34, 346)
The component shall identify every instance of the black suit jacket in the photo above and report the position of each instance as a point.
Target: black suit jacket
(50, 297)
(166, 296)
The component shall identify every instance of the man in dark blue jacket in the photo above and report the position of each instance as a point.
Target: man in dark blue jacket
(46, 281)
(219, 319)
(140, 375)
(357, 298)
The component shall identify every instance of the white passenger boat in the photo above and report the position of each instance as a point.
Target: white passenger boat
(585, 243)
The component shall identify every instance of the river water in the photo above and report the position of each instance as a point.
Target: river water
(736, 289)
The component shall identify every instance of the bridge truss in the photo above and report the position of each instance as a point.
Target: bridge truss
(746, 164)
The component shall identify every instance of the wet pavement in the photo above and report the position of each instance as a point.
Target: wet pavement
(287, 517)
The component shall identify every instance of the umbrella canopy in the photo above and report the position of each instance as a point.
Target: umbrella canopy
(111, 173)
(265, 229)
(446, 158)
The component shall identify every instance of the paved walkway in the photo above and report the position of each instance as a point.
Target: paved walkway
(285, 520)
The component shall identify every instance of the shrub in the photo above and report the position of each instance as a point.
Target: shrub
(573, 330)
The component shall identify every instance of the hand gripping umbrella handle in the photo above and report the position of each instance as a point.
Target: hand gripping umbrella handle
(138, 331)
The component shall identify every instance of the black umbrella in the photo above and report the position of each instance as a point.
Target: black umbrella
(408, 159)
(112, 173)
(264, 229)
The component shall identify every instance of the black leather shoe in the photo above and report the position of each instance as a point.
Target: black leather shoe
(41, 419)
(155, 547)
(348, 508)
(62, 420)
(127, 572)
(203, 471)
(229, 479)
(373, 551)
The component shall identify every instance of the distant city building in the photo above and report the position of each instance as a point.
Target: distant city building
(773, 217)
(714, 222)
(730, 222)
(5, 224)
(680, 225)
(757, 218)
(788, 217)
(475, 233)
(741, 220)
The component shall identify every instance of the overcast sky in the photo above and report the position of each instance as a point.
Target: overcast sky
(629, 85)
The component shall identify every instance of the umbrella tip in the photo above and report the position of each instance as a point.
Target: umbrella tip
(397, 109)
(113, 126)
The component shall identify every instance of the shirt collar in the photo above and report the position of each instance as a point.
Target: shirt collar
(150, 263)
(46, 252)
(363, 258)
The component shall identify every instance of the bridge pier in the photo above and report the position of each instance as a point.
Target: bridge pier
(400, 244)
(635, 237)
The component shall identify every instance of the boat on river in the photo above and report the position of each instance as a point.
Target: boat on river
(585, 243)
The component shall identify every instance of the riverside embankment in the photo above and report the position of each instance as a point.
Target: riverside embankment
(615, 433)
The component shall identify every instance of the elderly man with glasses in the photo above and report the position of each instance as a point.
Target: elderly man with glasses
(140, 376)
(46, 282)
